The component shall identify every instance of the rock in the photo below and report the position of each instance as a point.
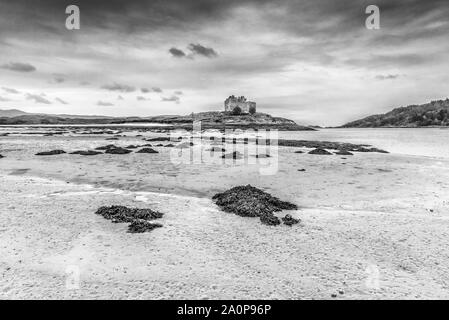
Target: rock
(263, 156)
(299, 151)
(362, 149)
(120, 214)
(131, 147)
(233, 155)
(169, 145)
(289, 220)
(248, 201)
(320, 151)
(140, 226)
(86, 153)
(147, 145)
(159, 145)
(1, 156)
(378, 150)
(270, 219)
(109, 146)
(50, 153)
(301, 170)
(139, 218)
(333, 295)
(344, 153)
(113, 138)
(160, 139)
(327, 145)
(118, 150)
(147, 150)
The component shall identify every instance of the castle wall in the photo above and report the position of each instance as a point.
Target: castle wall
(230, 105)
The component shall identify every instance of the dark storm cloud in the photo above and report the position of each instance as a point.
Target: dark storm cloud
(177, 53)
(19, 67)
(37, 98)
(202, 51)
(119, 87)
(317, 16)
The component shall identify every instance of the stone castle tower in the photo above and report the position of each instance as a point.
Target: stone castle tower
(241, 102)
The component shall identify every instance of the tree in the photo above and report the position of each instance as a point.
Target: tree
(236, 111)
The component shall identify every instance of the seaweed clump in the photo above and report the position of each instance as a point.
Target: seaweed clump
(249, 201)
(139, 218)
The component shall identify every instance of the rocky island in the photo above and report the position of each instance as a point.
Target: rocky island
(238, 113)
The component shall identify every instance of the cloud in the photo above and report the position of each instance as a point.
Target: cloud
(2, 99)
(119, 87)
(178, 93)
(145, 90)
(387, 77)
(10, 90)
(61, 101)
(140, 98)
(171, 99)
(198, 49)
(177, 53)
(156, 89)
(104, 104)
(19, 67)
(120, 98)
(37, 98)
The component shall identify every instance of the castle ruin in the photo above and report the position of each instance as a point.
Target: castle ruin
(246, 106)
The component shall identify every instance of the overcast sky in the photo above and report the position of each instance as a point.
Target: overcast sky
(311, 61)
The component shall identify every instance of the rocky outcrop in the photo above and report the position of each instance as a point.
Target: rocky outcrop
(329, 145)
(320, 151)
(118, 150)
(248, 201)
(86, 152)
(289, 220)
(140, 226)
(344, 153)
(50, 153)
(139, 218)
(147, 150)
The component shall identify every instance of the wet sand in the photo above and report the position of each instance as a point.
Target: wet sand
(373, 226)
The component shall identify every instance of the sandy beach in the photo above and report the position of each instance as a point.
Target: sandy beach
(373, 226)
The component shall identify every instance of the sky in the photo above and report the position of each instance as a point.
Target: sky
(311, 61)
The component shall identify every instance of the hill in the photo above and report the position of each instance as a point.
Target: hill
(435, 113)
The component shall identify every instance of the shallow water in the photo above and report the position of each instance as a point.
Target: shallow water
(429, 142)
